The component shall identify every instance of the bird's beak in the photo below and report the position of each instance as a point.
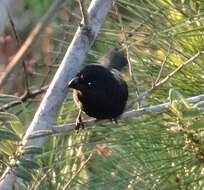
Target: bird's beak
(74, 83)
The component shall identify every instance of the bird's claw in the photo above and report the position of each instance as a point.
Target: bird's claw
(79, 124)
(115, 120)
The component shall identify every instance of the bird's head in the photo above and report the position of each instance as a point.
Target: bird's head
(81, 83)
(91, 78)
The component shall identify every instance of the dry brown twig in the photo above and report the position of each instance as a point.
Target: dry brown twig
(19, 44)
(27, 95)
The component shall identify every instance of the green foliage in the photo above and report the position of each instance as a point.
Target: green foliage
(40, 133)
(10, 134)
(37, 6)
(153, 151)
(31, 150)
(28, 163)
(23, 173)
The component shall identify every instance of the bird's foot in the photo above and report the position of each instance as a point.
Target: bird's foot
(79, 124)
(115, 120)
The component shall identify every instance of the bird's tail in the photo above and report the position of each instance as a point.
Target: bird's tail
(114, 59)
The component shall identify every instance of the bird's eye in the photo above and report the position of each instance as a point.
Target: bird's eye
(91, 83)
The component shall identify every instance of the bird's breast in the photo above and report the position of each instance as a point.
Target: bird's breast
(77, 95)
(102, 105)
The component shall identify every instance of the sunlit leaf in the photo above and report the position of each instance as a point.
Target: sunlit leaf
(8, 135)
(17, 126)
(40, 133)
(32, 150)
(28, 163)
(22, 173)
(7, 147)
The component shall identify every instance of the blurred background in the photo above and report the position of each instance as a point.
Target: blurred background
(153, 151)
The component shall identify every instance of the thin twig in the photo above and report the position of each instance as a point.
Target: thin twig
(84, 13)
(178, 69)
(185, 56)
(19, 45)
(27, 95)
(163, 63)
(83, 164)
(125, 40)
(147, 93)
(28, 42)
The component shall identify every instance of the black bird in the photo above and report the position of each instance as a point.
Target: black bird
(99, 89)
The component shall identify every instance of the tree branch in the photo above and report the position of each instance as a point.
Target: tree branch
(56, 93)
(160, 108)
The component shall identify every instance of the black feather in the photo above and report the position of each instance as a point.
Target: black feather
(114, 59)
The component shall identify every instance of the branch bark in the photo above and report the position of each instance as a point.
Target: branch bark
(160, 108)
(56, 93)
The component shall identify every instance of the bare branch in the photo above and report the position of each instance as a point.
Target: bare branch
(56, 93)
(84, 13)
(160, 108)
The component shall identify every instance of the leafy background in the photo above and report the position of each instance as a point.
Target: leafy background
(153, 151)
